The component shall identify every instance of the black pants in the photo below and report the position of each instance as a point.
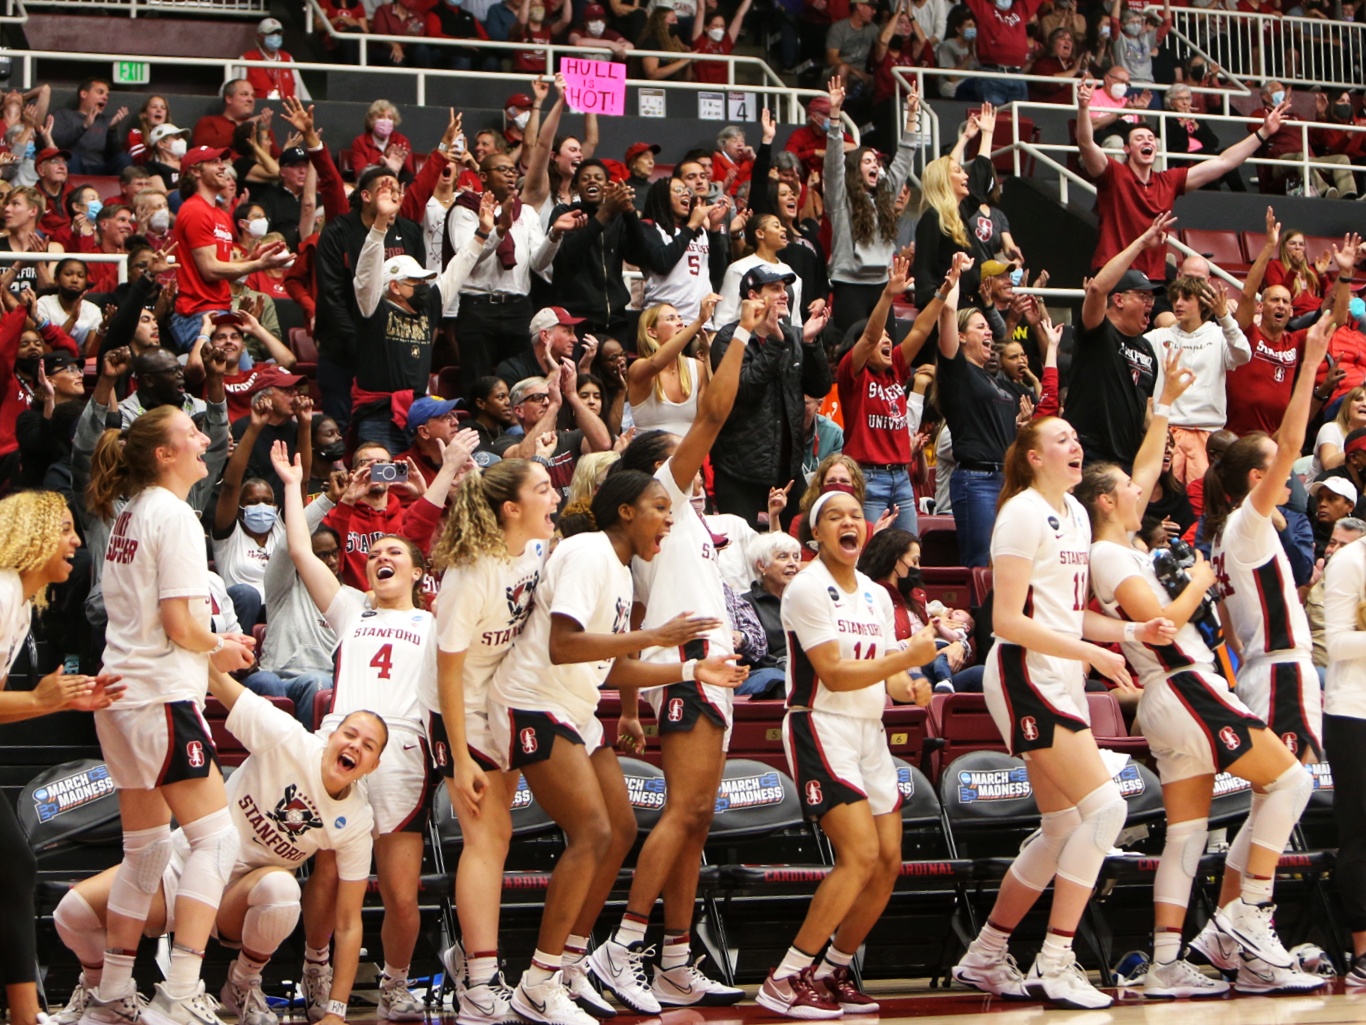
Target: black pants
(1344, 738)
(748, 498)
(334, 382)
(853, 303)
(488, 333)
(18, 877)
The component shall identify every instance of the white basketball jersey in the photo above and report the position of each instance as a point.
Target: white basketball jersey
(687, 283)
(1111, 565)
(1058, 544)
(817, 610)
(386, 661)
(1258, 588)
(482, 609)
(684, 577)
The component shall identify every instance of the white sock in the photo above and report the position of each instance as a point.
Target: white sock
(677, 950)
(317, 955)
(183, 978)
(399, 975)
(792, 963)
(118, 975)
(481, 967)
(543, 966)
(834, 958)
(575, 950)
(631, 930)
(1166, 945)
(993, 939)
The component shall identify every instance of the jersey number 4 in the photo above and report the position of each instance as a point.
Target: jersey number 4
(1221, 580)
(383, 661)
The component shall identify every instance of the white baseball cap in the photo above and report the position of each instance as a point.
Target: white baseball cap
(164, 131)
(1337, 485)
(405, 268)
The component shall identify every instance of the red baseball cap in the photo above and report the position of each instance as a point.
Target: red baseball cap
(49, 153)
(594, 11)
(202, 153)
(517, 101)
(637, 148)
(550, 316)
(273, 377)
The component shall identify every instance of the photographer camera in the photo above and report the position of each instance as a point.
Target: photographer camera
(1172, 565)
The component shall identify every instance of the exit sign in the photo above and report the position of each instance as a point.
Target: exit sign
(132, 73)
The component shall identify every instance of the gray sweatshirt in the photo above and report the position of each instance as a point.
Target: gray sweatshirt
(850, 262)
(299, 639)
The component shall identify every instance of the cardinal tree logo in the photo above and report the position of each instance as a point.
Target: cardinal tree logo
(675, 710)
(194, 754)
(1029, 728)
(813, 793)
(1230, 738)
(528, 740)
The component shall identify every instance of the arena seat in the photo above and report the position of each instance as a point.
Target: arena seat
(981, 585)
(958, 724)
(951, 585)
(1108, 727)
(1222, 247)
(302, 345)
(938, 542)
(907, 727)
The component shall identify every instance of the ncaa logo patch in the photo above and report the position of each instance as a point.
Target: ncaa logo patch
(813, 793)
(528, 740)
(194, 754)
(675, 710)
(1230, 738)
(1291, 742)
(1029, 728)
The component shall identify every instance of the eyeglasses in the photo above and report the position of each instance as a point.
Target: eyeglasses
(1146, 298)
(70, 368)
(503, 169)
(540, 396)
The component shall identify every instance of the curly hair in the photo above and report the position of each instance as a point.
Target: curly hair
(30, 532)
(817, 485)
(125, 462)
(868, 215)
(473, 527)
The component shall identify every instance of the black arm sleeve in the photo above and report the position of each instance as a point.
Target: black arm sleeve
(122, 325)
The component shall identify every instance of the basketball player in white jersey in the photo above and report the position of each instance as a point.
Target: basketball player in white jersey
(295, 794)
(1266, 624)
(386, 663)
(1195, 725)
(1035, 690)
(844, 654)
(155, 741)
(543, 717)
(492, 550)
(677, 248)
(694, 719)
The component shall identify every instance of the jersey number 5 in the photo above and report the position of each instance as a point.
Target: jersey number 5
(383, 661)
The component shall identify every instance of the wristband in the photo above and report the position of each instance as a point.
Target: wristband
(216, 648)
(481, 234)
(337, 1007)
(1258, 133)
(741, 335)
(1162, 409)
(689, 669)
(1131, 632)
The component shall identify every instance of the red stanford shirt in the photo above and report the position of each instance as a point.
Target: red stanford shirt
(198, 225)
(1259, 391)
(874, 411)
(1003, 36)
(1126, 207)
(712, 72)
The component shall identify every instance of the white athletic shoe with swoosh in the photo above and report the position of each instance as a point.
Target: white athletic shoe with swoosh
(549, 1003)
(125, 1009)
(489, 1003)
(1258, 976)
(622, 970)
(582, 991)
(688, 986)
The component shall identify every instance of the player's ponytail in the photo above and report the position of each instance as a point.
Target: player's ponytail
(1096, 480)
(577, 517)
(474, 525)
(125, 462)
(1226, 483)
(1019, 475)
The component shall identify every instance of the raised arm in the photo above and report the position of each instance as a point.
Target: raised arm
(1206, 171)
(1148, 460)
(322, 586)
(1093, 158)
(230, 488)
(536, 189)
(948, 312)
(1098, 288)
(898, 276)
(1247, 302)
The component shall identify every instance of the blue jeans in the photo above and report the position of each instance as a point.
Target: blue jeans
(974, 494)
(381, 428)
(763, 683)
(186, 327)
(247, 603)
(301, 689)
(1000, 91)
(886, 488)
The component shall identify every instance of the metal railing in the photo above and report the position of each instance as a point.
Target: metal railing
(120, 258)
(229, 8)
(14, 13)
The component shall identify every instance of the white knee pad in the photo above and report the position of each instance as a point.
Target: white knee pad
(1038, 860)
(1102, 817)
(272, 913)
(1236, 858)
(80, 928)
(146, 853)
(1180, 861)
(213, 852)
(1281, 808)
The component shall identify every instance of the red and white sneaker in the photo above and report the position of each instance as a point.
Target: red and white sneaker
(798, 996)
(844, 991)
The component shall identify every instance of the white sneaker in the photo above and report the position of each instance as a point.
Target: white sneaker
(581, 991)
(548, 1003)
(622, 970)
(246, 1001)
(1257, 976)
(1251, 926)
(997, 974)
(125, 1009)
(1219, 950)
(687, 986)
(453, 960)
(489, 1003)
(197, 1009)
(317, 990)
(1180, 980)
(396, 1003)
(1062, 981)
(75, 1007)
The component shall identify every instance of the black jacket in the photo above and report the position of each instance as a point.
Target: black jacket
(768, 609)
(762, 440)
(588, 281)
(334, 264)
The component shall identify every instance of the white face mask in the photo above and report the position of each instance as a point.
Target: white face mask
(178, 147)
(257, 226)
(596, 28)
(1118, 90)
(159, 221)
(384, 127)
(716, 34)
(1105, 30)
(521, 119)
(699, 502)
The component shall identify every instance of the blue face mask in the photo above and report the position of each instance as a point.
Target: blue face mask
(1016, 276)
(92, 209)
(29, 151)
(259, 519)
(1278, 97)
(970, 33)
(274, 41)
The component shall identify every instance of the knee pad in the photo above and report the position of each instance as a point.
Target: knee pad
(272, 913)
(1236, 858)
(1281, 808)
(146, 853)
(80, 928)
(1102, 817)
(213, 853)
(1180, 861)
(1038, 860)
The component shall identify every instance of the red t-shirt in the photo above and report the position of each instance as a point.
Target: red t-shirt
(530, 60)
(1001, 35)
(874, 411)
(1125, 208)
(277, 80)
(273, 286)
(237, 389)
(712, 72)
(200, 224)
(1259, 390)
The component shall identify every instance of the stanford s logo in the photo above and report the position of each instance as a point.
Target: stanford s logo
(194, 754)
(1230, 738)
(442, 754)
(1291, 742)
(1029, 729)
(675, 710)
(813, 793)
(528, 740)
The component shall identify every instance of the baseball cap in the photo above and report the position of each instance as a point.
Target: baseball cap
(54, 361)
(757, 277)
(269, 25)
(430, 407)
(49, 153)
(228, 319)
(549, 317)
(819, 105)
(405, 268)
(293, 157)
(164, 132)
(202, 153)
(272, 377)
(637, 148)
(1134, 281)
(594, 12)
(1337, 485)
(994, 268)
(517, 101)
